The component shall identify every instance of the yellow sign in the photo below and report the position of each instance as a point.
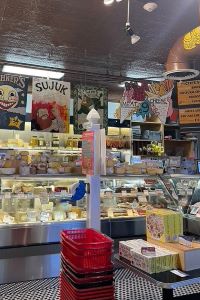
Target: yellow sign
(189, 93)
(189, 116)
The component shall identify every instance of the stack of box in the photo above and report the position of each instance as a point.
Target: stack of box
(159, 261)
(87, 271)
(136, 132)
(164, 225)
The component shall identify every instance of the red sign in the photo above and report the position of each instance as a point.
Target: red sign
(88, 153)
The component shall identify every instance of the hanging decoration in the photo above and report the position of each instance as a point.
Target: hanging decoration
(147, 100)
(50, 106)
(13, 99)
(192, 39)
(132, 97)
(86, 98)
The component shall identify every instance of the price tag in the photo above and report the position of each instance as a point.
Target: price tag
(124, 193)
(190, 192)
(130, 213)
(110, 214)
(44, 199)
(179, 273)
(44, 216)
(7, 195)
(148, 251)
(8, 219)
(142, 199)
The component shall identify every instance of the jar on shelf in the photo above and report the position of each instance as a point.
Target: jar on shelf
(41, 141)
(55, 142)
(34, 141)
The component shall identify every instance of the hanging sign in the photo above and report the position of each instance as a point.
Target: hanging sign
(50, 105)
(148, 100)
(189, 93)
(85, 98)
(189, 116)
(13, 98)
(88, 153)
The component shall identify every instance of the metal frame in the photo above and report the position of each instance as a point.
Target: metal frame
(167, 288)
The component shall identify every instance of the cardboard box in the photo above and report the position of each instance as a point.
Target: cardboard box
(161, 261)
(188, 258)
(164, 225)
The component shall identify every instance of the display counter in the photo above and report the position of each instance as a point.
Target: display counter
(33, 214)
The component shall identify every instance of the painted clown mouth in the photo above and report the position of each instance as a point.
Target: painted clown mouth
(5, 105)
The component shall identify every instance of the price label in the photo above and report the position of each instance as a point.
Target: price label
(44, 216)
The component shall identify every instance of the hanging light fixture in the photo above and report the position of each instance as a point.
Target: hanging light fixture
(134, 37)
(108, 2)
(150, 6)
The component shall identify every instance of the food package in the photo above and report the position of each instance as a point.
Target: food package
(164, 225)
(120, 169)
(159, 261)
(110, 163)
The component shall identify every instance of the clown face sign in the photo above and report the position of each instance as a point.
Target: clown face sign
(9, 97)
(13, 98)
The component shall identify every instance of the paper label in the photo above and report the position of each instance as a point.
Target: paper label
(148, 251)
(130, 213)
(44, 216)
(179, 273)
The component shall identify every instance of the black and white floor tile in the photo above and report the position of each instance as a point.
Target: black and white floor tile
(127, 287)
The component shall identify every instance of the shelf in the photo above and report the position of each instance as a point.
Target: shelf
(147, 123)
(172, 125)
(41, 149)
(143, 140)
(185, 141)
(42, 176)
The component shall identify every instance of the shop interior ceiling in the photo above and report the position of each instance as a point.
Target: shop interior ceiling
(87, 39)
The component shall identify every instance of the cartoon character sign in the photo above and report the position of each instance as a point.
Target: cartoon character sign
(50, 105)
(13, 98)
(85, 98)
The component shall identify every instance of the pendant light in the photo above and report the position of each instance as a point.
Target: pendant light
(134, 37)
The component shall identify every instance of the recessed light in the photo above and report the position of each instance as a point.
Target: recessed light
(32, 72)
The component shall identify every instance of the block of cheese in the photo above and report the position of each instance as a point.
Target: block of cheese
(160, 261)
(188, 257)
(164, 225)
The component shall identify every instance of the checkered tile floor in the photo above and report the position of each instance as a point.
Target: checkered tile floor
(127, 287)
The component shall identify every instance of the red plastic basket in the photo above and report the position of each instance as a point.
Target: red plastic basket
(85, 271)
(86, 239)
(86, 280)
(100, 259)
(67, 291)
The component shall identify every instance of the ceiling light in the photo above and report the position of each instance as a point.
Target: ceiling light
(150, 6)
(32, 72)
(108, 2)
(139, 83)
(118, 0)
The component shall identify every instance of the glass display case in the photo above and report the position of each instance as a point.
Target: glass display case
(185, 189)
(33, 213)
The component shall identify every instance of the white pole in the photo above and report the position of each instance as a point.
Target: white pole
(93, 199)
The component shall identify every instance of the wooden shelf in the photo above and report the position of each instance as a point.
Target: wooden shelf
(184, 141)
(146, 123)
(143, 140)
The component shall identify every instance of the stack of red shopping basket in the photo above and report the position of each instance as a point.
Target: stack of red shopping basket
(87, 271)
